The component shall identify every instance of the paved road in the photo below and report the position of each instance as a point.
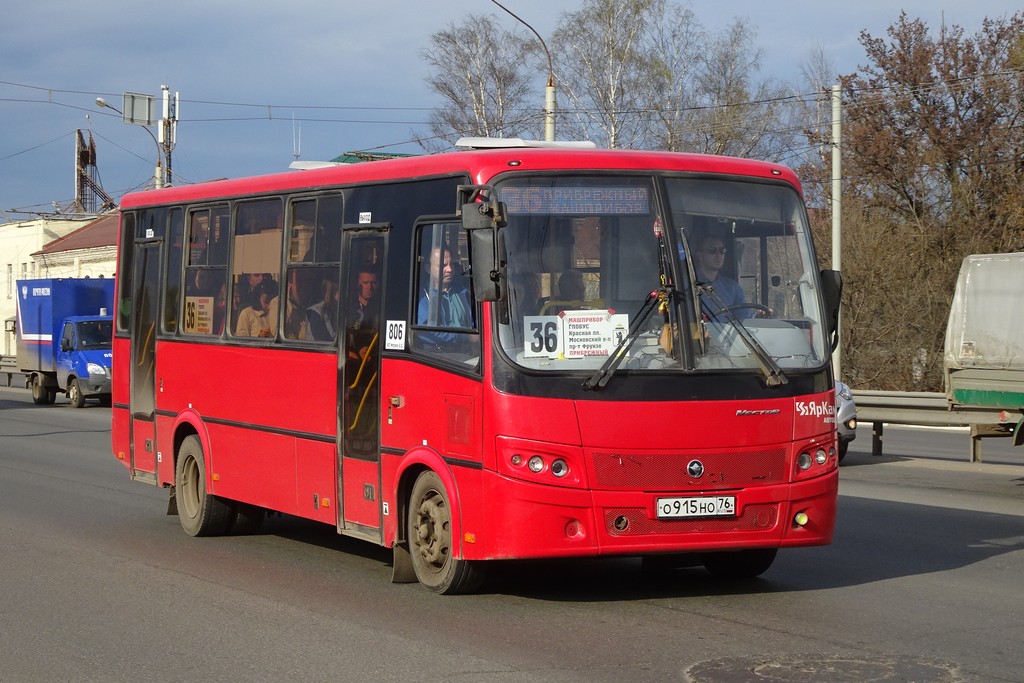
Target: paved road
(922, 583)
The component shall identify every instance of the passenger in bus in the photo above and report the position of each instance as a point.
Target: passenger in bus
(709, 260)
(296, 325)
(524, 290)
(446, 301)
(572, 294)
(244, 293)
(322, 316)
(220, 309)
(254, 320)
(570, 286)
(363, 312)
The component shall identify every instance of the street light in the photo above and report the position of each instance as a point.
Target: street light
(158, 173)
(549, 91)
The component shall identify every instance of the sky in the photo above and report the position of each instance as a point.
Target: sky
(262, 81)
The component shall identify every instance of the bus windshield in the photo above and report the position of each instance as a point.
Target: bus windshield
(679, 274)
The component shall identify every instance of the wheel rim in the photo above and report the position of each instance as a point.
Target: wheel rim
(73, 391)
(433, 531)
(188, 495)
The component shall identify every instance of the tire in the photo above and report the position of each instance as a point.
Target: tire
(843, 446)
(200, 512)
(75, 394)
(40, 394)
(740, 564)
(430, 541)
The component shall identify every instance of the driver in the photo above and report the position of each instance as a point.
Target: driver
(708, 262)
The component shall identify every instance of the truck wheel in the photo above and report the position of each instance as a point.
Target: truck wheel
(75, 394)
(40, 394)
(430, 540)
(201, 513)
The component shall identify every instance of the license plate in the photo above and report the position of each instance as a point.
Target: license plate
(699, 506)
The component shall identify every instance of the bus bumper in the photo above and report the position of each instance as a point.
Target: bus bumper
(527, 520)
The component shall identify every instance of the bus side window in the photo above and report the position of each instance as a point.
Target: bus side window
(205, 275)
(256, 267)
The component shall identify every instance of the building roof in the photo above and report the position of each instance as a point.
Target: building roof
(101, 232)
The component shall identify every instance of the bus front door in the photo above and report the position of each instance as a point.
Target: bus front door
(146, 283)
(362, 295)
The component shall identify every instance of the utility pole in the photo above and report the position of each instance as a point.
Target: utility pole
(837, 206)
(168, 130)
(549, 90)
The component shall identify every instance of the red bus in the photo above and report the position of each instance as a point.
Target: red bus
(483, 355)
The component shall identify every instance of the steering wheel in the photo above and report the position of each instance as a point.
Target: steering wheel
(762, 310)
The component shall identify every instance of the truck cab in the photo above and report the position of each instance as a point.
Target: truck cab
(83, 358)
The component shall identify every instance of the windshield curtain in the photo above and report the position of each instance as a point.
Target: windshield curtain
(585, 253)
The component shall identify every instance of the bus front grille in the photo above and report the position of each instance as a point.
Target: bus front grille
(653, 471)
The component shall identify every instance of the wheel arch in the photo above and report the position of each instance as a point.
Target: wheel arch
(414, 463)
(187, 424)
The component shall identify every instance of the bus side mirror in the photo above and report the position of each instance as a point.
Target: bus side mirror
(832, 294)
(485, 265)
(482, 217)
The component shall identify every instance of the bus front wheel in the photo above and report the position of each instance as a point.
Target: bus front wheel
(430, 540)
(201, 513)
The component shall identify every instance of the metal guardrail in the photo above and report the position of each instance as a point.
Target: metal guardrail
(9, 369)
(930, 409)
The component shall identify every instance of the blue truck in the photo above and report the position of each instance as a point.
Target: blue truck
(64, 335)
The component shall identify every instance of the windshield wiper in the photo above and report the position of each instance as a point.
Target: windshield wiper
(773, 375)
(608, 368)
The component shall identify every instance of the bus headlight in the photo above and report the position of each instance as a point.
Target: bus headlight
(803, 461)
(540, 462)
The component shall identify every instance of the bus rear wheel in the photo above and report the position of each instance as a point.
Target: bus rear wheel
(430, 540)
(740, 564)
(200, 512)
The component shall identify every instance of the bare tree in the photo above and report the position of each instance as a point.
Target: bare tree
(602, 70)
(739, 114)
(812, 114)
(480, 71)
(675, 44)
